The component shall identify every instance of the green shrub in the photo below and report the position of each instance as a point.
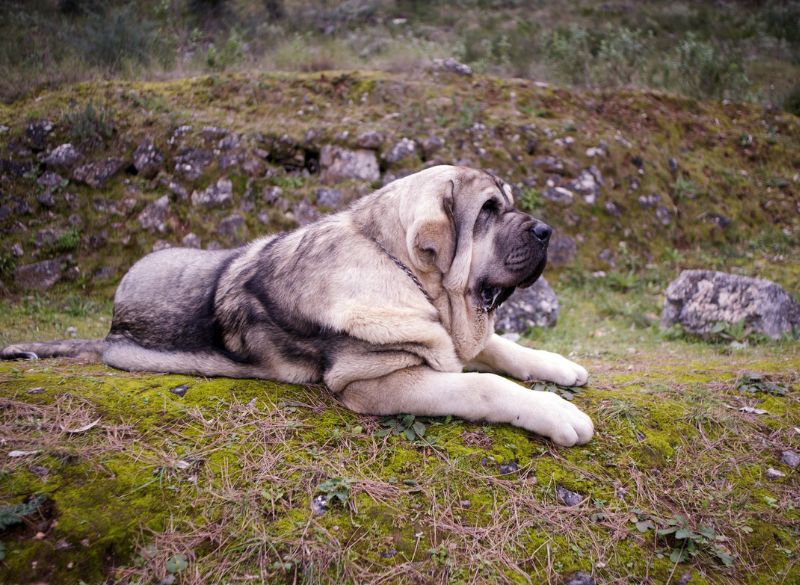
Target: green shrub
(89, 125)
(791, 103)
(703, 70)
(115, 38)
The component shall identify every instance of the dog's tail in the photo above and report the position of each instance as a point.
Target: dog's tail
(90, 350)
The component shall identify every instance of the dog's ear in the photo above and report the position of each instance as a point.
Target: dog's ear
(434, 237)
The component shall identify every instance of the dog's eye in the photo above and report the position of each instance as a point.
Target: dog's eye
(491, 207)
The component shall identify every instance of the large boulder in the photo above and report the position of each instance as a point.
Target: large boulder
(97, 173)
(535, 306)
(339, 164)
(38, 276)
(699, 300)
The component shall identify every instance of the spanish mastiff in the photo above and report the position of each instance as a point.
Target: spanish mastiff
(387, 303)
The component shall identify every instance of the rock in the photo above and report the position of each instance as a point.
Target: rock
(588, 184)
(38, 276)
(17, 251)
(153, 217)
(319, 505)
(718, 219)
(698, 300)
(104, 273)
(663, 215)
(37, 132)
(562, 250)
(510, 467)
(229, 159)
(550, 164)
(254, 167)
(579, 578)
(559, 195)
(452, 66)
(673, 165)
(216, 195)
(191, 240)
(431, 145)
(62, 158)
(49, 180)
(607, 256)
(231, 226)
(773, 473)
(44, 237)
(178, 190)
(370, 139)
(406, 148)
(567, 497)
(305, 213)
(535, 306)
(191, 163)
(161, 245)
(180, 391)
(147, 160)
(329, 197)
(649, 201)
(790, 458)
(46, 199)
(97, 173)
(339, 164)
(15, 168)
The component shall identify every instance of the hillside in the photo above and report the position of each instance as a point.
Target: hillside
(216, 480)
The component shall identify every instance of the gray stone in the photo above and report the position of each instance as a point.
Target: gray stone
(38, 276)
(304, 213)
(535, 306)
(216, 195)
(579, 578)
(17, 250)
(44, 237)
(562, 250)
(46, 199)
(588, 184)
(231, 226)
(49, 180)
(191, 241)
(567, 497)
(649, 201)
(147, 160)
(159, 245)
(550, 164)
(403, 149)
(431, 145)
(700, 299)
(191, 163)
(790, 458)
(273, 195)
(254, 167)
(452, 66)
(339, 164)
(153, 217)
(329, 197)
(370, 139)
(37, 133)
(62, 158)
(97, 173)
(559, 195)
(663, 215)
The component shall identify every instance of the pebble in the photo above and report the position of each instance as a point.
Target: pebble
(180, 390)
(790, 458)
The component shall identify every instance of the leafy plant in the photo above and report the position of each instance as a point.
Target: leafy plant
(177, 564)
(411, 427)
(530, 200)
(336, 488)
(685, 540)
(566, 392)
(14, 514)
(753, 382)
(90, 125)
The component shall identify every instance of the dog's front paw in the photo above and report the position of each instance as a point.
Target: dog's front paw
(568, 373)
(559, 420)
(552, 367)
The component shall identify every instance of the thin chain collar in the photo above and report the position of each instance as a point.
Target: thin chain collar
(401, 266)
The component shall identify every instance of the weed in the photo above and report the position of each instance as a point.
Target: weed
(336, 489)
(566, 392)
(411, 427)
(530, 200)
(90, 125)
(121, 35)
(15, 514)
(753, 382)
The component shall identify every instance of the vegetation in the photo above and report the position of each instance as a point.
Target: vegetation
(738, 49)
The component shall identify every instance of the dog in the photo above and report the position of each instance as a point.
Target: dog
(386, 302)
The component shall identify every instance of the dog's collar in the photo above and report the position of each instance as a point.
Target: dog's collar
(401, 265)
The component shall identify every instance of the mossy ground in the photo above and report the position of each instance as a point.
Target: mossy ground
(225, 475)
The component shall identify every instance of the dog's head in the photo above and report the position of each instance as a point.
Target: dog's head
(465, 225)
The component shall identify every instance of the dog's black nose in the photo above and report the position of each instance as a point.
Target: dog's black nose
(542, 231)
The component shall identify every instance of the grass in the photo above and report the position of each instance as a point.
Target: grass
(218, 484)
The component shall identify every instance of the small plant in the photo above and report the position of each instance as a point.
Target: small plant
(14, 514)
(566, 392)
(336, 489)
(753, 382)
(686, 542)
(90, 125)
(530, 200)
(407, 425)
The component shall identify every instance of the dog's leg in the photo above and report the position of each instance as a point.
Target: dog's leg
(134, 358)
(425, 392)
(506, 357)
